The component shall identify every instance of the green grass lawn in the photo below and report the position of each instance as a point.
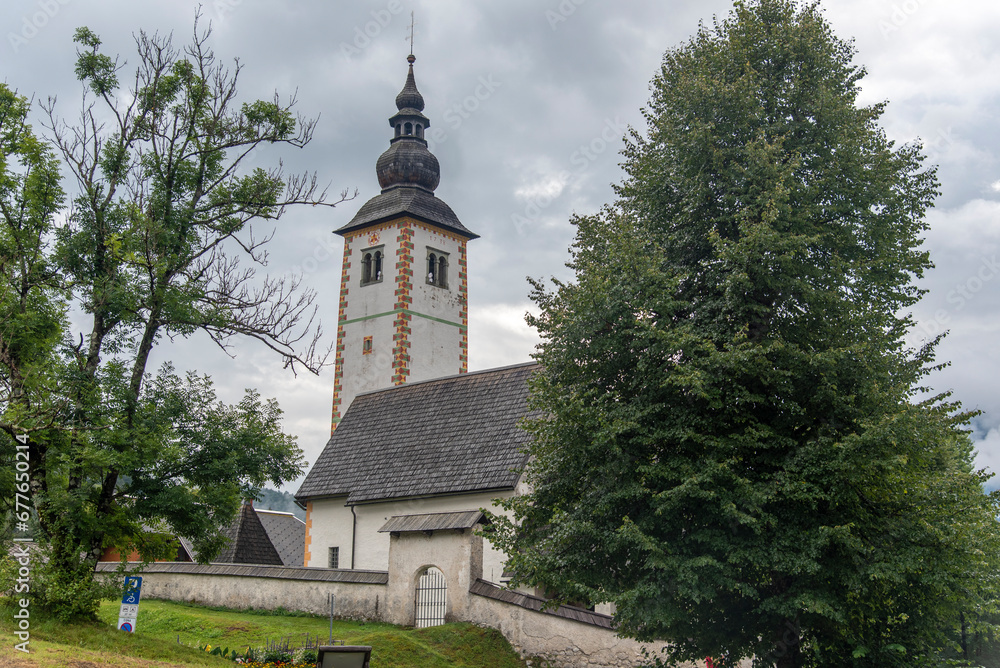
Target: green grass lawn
(162, 623)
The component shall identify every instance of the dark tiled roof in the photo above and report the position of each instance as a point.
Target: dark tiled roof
(447, 436)
(412, 201)
(490, 590)
(246, 570)
(432, 522)
(287, 533)
(187, 548)
(248, 541)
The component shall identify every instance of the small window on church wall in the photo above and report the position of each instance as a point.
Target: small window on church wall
(437, 268)
(334, 557)
(371, 265)
(366, 346)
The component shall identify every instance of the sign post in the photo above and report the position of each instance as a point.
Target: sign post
(130, 604)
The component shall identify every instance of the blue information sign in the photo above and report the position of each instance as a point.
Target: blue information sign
(132, 586)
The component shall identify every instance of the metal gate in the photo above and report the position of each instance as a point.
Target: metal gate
(431, 599)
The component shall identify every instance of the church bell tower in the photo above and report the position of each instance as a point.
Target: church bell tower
(404, 313)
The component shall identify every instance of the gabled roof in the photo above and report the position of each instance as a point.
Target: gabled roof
(452, 435)
(465, 519)
(248, 542)
(287, 533)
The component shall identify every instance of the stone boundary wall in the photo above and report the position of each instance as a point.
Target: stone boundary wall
(358, 594)
(562, 637)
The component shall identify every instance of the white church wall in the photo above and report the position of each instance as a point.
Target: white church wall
(330, 525)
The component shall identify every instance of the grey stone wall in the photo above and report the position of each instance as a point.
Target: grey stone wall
(358, 594)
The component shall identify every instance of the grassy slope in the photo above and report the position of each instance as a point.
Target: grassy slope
(161, 622)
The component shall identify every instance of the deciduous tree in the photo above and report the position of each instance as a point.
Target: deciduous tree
(155, 244)
(736, 448)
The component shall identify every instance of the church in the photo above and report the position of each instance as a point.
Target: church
(419, 446)
(417, 443)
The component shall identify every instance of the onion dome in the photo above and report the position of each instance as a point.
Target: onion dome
(408, 172)
(407, 162)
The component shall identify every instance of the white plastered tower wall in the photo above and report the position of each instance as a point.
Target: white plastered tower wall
(400, 322)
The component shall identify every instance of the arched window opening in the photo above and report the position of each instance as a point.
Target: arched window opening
(431, 600)
(442, 275)
(408, 128)
(366, 272)
(371, 265)
(399, 129)
(420, 130)
(437, 268)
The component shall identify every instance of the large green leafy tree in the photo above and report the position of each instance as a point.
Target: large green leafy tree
(151, 247)
(735, 446)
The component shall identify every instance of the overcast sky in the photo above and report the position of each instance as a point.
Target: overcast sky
(532, 97)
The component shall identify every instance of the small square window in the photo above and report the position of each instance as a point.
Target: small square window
(334, 557)
(437, 268)
(366, 346)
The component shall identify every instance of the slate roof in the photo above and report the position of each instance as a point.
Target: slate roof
(432, 522)
(248, 541)
(451, 435)
(188, 549)
(412, 201)
(287, 533)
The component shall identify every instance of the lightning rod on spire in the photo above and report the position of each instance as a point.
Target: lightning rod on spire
(410, 38)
